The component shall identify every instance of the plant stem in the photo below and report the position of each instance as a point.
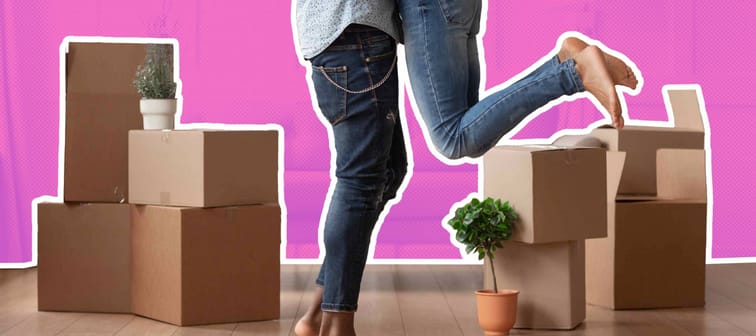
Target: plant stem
(493, 272)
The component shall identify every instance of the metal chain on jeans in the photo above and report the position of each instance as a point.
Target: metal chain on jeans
(368, 89)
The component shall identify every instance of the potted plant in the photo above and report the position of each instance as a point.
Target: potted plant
(154, 82)
(481, 227)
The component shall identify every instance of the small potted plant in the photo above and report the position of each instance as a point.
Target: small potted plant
(481, 227)
(154, 82)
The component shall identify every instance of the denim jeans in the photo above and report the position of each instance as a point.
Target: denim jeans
(355, 81)
(442, 60)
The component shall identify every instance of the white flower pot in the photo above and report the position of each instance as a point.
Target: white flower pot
(158, 114)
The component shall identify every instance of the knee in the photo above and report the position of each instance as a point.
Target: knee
(395, 178)
(457, 148)
(449, 151)
(360, 193)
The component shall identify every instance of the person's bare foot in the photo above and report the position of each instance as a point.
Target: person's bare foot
(309, 324)
(594, 74)
(619, 71)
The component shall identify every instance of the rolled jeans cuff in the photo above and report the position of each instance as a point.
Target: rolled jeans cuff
(338, 308)
(573, 77)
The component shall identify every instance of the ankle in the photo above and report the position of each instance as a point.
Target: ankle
(337, 323)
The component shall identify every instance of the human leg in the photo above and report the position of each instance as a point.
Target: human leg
(437, 35)
(363, 127)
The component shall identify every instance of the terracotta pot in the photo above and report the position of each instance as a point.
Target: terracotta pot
(497, 312)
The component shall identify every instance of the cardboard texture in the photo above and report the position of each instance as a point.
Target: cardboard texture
(201, 266)
(203, 168)
(559, 194)
(641, 142)
(550, 278)
(84, 257)
(654, 257)
(101, 107)
(681, 174)
(615, 162)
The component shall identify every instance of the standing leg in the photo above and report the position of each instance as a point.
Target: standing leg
(363, 125)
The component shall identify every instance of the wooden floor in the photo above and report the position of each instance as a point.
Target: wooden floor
(402, 300)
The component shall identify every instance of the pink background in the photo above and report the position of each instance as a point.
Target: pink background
(238, 65)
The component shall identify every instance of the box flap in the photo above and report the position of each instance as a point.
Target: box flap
(681, 174)
(685, 107)
(615, 162)
(540, 148)
(578, 141)
(103, 68)
(636, 198)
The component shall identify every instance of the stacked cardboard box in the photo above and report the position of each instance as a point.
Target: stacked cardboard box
(167, 254)
(655, 252)
(206, 235)
(562, 197)
(84, 243)
(84, 257)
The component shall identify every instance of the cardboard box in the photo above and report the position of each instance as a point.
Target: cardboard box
(84, 257)
(201, 266)
(681, 174)
(641, 142)
(203, 168)
(102, 105)
(654, 257)
(559, 194)
(550, 278)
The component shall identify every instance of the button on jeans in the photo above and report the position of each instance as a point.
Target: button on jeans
(442, 61)
(355, 81)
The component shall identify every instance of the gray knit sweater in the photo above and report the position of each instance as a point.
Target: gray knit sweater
(320, 22)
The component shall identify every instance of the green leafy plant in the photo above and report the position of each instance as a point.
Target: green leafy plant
(482, 226)
(154, 78)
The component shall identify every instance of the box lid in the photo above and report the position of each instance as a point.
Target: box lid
(541, 148)
(103, 68)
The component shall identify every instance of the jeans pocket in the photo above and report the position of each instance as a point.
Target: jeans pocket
(458, 11)
(332, 99)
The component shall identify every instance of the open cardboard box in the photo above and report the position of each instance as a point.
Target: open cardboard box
(641, 142)
(559, 193)
(551, 276)
(101, 107)
(655, 252)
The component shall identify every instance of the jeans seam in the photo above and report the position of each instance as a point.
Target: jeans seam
(367, 68)
(493, 106)
(426, 54)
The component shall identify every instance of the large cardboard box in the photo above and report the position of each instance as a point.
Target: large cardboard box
(654, 256)
(101, 107)
(655, 253)
(641, 142)
(203, 168)
(559, 193)
(84, 257)
(201, 266)
(550, 278)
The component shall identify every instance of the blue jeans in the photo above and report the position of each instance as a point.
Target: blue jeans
(442, 60)
(371, 159)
